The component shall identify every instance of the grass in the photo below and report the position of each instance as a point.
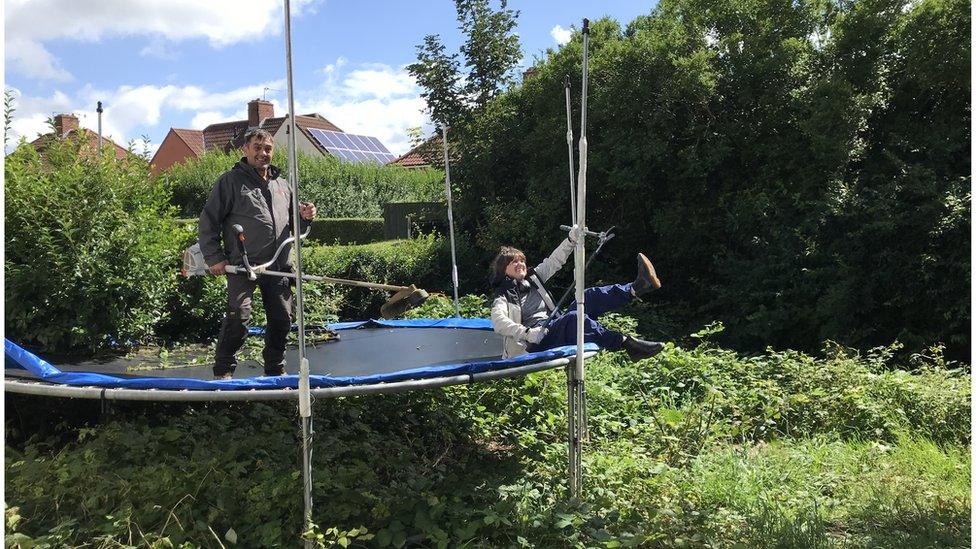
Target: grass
(698, 447)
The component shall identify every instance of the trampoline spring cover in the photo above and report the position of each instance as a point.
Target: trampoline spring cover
(368, 353)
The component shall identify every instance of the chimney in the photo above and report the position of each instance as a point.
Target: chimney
(64, 123)
(258, 110)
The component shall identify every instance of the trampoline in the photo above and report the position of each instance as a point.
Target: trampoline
(374, 356)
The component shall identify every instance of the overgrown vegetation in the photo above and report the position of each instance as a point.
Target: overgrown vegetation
(699, 447)
(90, 248)
(798, 170)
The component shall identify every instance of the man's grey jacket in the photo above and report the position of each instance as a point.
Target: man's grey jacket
(263, 208)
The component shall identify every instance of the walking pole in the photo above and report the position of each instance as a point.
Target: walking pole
(304, 395)
(576, 373)
(569, 145)
(450, 221)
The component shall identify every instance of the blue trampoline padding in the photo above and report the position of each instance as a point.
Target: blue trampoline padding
(464, 323)
(46, 372)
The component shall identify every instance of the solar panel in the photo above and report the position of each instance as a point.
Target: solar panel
(356, 148)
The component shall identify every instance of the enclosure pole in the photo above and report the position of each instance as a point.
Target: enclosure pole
(450, 221)
(576, 372)
(569, 145)
(304, 394)
(99, 111)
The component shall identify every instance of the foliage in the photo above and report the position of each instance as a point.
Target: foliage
(90, 248)
(338, 189)
(491, 51)
(693, 448)
(8, 113)
(807, 165)
(347, 230)
(424, 262)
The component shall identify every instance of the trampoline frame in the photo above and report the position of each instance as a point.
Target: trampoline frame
(42, 388)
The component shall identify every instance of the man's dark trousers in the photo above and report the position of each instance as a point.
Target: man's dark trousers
(276, 295)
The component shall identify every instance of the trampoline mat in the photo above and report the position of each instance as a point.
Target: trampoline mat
(357, 353)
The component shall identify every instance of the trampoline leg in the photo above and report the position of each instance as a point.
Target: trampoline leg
(576, 429)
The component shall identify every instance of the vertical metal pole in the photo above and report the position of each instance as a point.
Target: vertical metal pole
(569, 145)
(99, 111)
(576, 377)
(450, 221)
(304, 395)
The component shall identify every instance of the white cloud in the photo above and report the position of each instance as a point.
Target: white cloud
(371, 99)
(30, 23)
(561, 35)
(158, 49)
(130, 111)
(206, 118)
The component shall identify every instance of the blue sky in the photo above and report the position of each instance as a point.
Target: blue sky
(189, 63)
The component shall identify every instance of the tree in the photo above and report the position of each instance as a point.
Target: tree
(491, 51)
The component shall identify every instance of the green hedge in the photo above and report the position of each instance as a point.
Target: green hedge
(339, 189)
(348, 230)
(425, 262)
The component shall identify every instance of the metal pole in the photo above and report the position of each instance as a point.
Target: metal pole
(569, 144)
(576, 372)
(99, 111)
(304, 394)
(450, 221)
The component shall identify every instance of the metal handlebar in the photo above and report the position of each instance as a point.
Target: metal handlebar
(600, 235)
(254, 270)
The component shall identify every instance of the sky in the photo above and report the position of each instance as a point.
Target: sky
(188, 63)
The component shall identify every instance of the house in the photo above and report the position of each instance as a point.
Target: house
(428, 154)
(316, 136)
(66, 127)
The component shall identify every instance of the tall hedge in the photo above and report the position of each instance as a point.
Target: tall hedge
(338, 189)
(798, 170)
(91, 249)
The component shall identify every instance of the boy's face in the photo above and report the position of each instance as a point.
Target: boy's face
(516, 269)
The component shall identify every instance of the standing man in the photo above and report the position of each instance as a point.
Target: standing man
(253, 195)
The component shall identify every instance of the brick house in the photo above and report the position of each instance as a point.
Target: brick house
(316, 136)
(66, 127)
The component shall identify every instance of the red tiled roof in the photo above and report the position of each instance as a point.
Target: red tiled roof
(229, 135)
(42, 142)
(421, 155)
(192, 138)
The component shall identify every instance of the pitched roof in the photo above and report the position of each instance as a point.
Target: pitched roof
(230, 135)
(422, 155)
(42, 142)
(192, 138)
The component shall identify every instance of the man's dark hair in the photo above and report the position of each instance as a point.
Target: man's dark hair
(257, 134)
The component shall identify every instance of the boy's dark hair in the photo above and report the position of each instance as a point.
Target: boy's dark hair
(506, 254)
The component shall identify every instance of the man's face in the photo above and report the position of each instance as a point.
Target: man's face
(258, 152)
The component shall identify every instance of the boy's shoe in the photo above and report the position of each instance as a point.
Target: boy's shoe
(274, 372)
(647, 279)
(638, 349)
(224, 377)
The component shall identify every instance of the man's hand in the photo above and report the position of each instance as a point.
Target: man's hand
(218, 269)
(307, 210)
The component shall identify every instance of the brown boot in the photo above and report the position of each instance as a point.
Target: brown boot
(638, 349)
(647, 279)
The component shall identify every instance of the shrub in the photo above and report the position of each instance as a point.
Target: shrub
(91, 250)
(338, 189)
(347, 230)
